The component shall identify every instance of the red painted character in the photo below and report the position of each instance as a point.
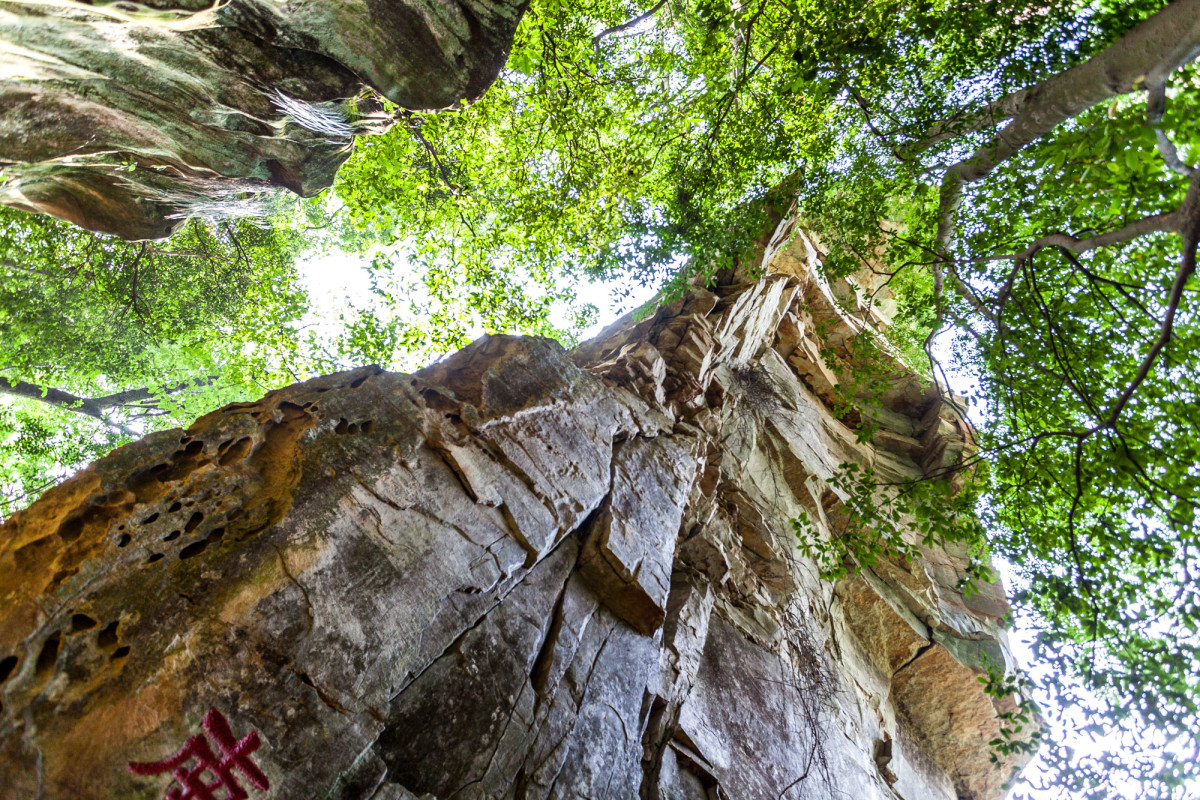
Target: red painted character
(235, 756)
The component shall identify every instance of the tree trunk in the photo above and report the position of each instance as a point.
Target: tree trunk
(125, 118)
(521, 572)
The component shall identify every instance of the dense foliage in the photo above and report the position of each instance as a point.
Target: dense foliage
(103, 340)
(617, 149)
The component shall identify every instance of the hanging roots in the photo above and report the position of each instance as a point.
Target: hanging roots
(327, 119)
(213, 200)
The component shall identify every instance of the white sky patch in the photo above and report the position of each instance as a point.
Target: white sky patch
(613, 299)
(338, 283)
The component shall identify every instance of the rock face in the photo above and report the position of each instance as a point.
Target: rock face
(519, 573)
(125, 117)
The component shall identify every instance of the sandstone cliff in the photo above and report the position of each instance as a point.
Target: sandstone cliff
(125, 117)
(519, 573)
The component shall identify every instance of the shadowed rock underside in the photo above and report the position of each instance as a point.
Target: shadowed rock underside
(126, 118)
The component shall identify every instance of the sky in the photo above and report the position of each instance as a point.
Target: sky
(337, 281)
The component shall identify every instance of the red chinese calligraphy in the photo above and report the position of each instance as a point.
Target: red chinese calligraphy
(235, 756)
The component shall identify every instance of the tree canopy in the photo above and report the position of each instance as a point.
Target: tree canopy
(103, 340)
(1020, 172)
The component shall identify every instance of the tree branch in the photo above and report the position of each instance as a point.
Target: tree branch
(1189, 228)
(1165, 223)
(1156, 105)
(7, 263)
(1145, 55)
(51, 396)
(91, 406)
(1155, 223)
(993, 113)
(866, 111)
(624, 26)
(138, 395)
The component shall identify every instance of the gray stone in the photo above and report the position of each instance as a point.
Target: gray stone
(521, 573)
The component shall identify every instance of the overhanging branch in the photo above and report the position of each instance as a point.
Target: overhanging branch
(631, 24)
(92, 406)
(992, 114)
(1146, 55)
(52, 396)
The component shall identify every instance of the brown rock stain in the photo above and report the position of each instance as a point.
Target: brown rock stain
(107, 735)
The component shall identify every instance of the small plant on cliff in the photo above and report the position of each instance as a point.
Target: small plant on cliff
(876, 521)
(1020, 733)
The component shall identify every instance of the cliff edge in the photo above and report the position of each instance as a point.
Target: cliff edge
(519, 573)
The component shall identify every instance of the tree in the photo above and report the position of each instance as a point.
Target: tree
(1018, 171)
(103, 340)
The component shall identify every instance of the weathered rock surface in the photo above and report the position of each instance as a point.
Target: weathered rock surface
(519, 573)
(121, 117)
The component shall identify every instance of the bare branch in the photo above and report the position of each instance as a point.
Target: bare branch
(1189, 228)
(51, 396)
(1156, 105)
(878, 134)
(1165, 223)
(91, 406)
(1155, 223)
(624, 26)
